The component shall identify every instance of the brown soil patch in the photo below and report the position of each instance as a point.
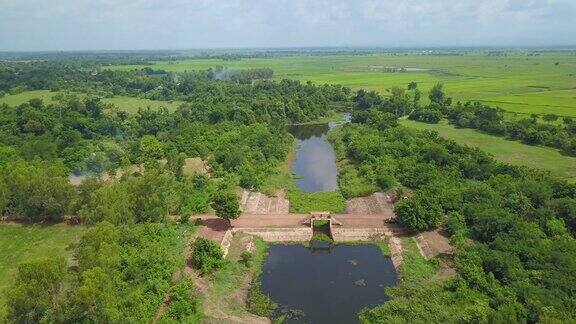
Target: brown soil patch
(213, 228)
(435, 243)
(259, 203)
(270, 220)
(377, 203)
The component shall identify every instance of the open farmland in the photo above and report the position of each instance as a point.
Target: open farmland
(517, 82)
(513, 152)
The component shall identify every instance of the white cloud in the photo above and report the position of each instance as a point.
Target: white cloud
(102, 24)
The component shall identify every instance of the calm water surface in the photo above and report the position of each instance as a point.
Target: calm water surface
(327, 285)
(315, 162)
(323, 284)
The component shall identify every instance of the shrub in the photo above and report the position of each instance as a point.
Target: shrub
(385, 181)
(30, 297)
(258, 303)
(456, 225)
(184, 307)
(419, 213)
(246, 258)
(207, 256)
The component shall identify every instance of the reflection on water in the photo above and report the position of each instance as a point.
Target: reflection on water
(326, 284)
(315, 162)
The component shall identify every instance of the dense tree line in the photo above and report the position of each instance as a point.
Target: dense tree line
(552, 132)
(513, 227)
(245, 76)
(237, 128)
(561, 135)
(201, 88)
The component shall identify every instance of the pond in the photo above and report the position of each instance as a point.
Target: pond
(324, 283)
(315, 162)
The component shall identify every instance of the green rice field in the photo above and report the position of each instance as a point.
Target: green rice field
(518, 82)
(513, 152)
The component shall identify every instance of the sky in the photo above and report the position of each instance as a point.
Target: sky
(33, 25)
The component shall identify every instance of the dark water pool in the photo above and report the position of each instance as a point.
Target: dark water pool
(326, 284)
(315, 162)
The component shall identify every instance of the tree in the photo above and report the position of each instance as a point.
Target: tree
(40, 190)
(207, 255)
(419, 213)
(412, 85)
(416, 98)
(226, 204)
(175, 163)
(381, 120)
(438, 96)
(32, 295)
(97, 299)
(154, 195)
(4, 195)
(151, 149)
(113, 203)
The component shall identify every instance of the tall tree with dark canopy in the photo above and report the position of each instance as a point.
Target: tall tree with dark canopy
(226, 204)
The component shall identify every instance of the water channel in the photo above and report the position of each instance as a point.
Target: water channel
(315, 162)
(323, 283)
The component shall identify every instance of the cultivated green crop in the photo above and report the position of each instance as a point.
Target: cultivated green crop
(513, 152)
(517, 82)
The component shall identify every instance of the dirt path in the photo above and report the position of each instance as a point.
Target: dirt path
(436, 244)
(226, 302)
(182, 274)
(433, 243)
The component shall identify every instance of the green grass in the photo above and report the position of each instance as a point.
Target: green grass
(131, 104)
(415, 268)
(321, 222)
(281, 177)
(513, 152)
(20, 244)
(306, 202)
(334, 117)
(516, 82)
(20, 98)
(384, 247)
(124, 103)
(226, 282)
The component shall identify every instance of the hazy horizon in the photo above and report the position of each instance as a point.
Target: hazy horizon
(81, 25)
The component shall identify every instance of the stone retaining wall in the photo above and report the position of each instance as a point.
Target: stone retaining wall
(296, 234)
(342, 234)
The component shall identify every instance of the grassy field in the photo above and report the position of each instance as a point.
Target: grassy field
(131, 104)
(512, 152)
(18, 99)
(128, 104)
(516, 82)
(19, 244)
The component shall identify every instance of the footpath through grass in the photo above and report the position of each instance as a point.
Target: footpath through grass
(513, 152)
(20, 244)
